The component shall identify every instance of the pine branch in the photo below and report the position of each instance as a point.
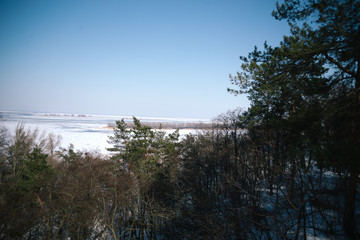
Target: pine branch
(342, 68)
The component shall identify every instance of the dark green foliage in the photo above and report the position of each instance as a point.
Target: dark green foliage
(141, 149)
(32, 174)
(120, 138)
(151, 157)
(305, 95)
(287, 168)
(22, 193)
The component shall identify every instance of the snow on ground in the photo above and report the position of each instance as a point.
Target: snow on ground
(85, 132)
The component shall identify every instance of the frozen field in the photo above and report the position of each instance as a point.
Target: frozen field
(85, 132)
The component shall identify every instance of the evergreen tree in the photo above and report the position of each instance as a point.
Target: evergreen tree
(307, 91)
(149, 157)
(23, 195)
(333, 34)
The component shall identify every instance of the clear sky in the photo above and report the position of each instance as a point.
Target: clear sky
(159, 58)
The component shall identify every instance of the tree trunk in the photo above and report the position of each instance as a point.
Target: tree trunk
(350, 198)
(349, 218)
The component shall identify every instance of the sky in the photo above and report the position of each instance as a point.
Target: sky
(149, 58)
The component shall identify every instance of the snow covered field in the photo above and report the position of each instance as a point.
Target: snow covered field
(85, 132)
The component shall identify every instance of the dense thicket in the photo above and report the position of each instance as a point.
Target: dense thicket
(305, 95)
(226, 183)
(287, 168)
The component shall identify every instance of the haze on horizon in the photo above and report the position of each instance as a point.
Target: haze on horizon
(141, 58)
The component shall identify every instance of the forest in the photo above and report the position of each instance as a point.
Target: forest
(286, 168)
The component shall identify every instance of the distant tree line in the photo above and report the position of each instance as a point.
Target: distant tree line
(287, 168)
(65, 115)
(170, 125)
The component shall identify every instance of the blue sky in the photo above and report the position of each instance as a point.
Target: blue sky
(129, 57)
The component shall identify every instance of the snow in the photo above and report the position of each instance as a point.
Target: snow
(85, 132)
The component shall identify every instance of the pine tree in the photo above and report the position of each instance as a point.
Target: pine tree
(307, 90)
(333, 34)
